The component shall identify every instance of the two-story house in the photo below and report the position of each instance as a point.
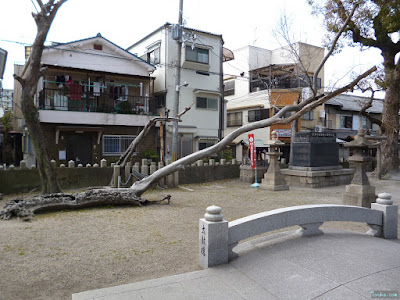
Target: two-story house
(342, 115)
(259, 82)
(201, 70)
(93, 99)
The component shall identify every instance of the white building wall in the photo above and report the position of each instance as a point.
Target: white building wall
(196, 122)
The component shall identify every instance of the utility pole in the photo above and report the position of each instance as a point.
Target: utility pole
(175, 112)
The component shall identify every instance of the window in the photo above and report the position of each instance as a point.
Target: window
(97, 47)
(258, 114)
(115, 145)
(153, 56)
(366, 123)
(160, 99)
(346, 122)
(308, 115)
(198, 55)
(204, 145)
(229, 88)
(234, 119)
(206, 103)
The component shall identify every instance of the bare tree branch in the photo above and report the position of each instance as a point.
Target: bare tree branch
(150, 124)
(332, 48)
(19, 79)
(313, 102)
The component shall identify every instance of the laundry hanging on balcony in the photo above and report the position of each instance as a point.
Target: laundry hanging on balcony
(76, 91)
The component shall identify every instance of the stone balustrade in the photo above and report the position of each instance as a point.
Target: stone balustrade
(217, 237)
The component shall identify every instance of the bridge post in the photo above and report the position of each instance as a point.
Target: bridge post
(384, 203)
(213, 238)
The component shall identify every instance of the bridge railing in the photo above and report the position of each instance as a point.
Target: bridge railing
(217, 237)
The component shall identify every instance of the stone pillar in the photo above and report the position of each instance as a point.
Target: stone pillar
(53, 163)
(213, 238)
(116, 174)
(1, 168)
(62, 166)
(71, 164)
(273, 179)
(88, 165)
(153, 168)
(112, 165)
(145, 167)
(80, 166)
(103, 163)
(384, 203)
(11, 167)
(96, 165)
(234, 162)
(136, 167)
(222, 162)
(22, 164)
(359, 192)
(127, 172)
(200, 163)
(211, 162)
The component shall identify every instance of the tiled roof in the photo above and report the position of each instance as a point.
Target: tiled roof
(355, 103)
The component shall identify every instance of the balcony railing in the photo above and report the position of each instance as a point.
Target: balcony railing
(57, 99)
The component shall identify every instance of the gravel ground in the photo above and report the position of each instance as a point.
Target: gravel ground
(67, 252)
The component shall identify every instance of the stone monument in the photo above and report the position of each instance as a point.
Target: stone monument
(359, 192)
(273, 179)
(315, 161)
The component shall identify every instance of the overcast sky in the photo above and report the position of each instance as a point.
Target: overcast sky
(123, 22)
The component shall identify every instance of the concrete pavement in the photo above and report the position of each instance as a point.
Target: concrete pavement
(336, 265)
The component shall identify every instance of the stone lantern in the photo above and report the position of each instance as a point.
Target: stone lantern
(359, 192)
(273, 179)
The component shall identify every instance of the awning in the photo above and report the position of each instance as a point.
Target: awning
(79, 129)
(227, 54)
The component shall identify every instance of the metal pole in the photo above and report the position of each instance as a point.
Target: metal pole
(175, 112)
(255, 184)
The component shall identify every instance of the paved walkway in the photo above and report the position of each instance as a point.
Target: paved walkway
(337, 265)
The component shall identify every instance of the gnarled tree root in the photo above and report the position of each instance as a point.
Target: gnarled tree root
(27, 208)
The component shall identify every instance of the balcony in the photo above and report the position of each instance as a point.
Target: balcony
(280, 82)
(57, 99)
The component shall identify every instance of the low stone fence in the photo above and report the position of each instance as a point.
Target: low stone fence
(24, 179)
(217, 237)
(21, 180)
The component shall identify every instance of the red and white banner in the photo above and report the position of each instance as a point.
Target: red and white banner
(251, 147)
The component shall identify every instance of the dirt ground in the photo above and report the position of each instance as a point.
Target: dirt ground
(66, 252)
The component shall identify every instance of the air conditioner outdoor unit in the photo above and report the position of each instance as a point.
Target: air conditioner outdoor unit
(318, 128)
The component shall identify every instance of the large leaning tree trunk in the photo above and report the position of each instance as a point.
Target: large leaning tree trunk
(29, 80)
(390, 119)
(132, 195)
(26, 208)
(139, 187)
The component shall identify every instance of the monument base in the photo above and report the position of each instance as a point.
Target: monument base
(274, 182)
(247, 174)
(318, 179)
(359, 195)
